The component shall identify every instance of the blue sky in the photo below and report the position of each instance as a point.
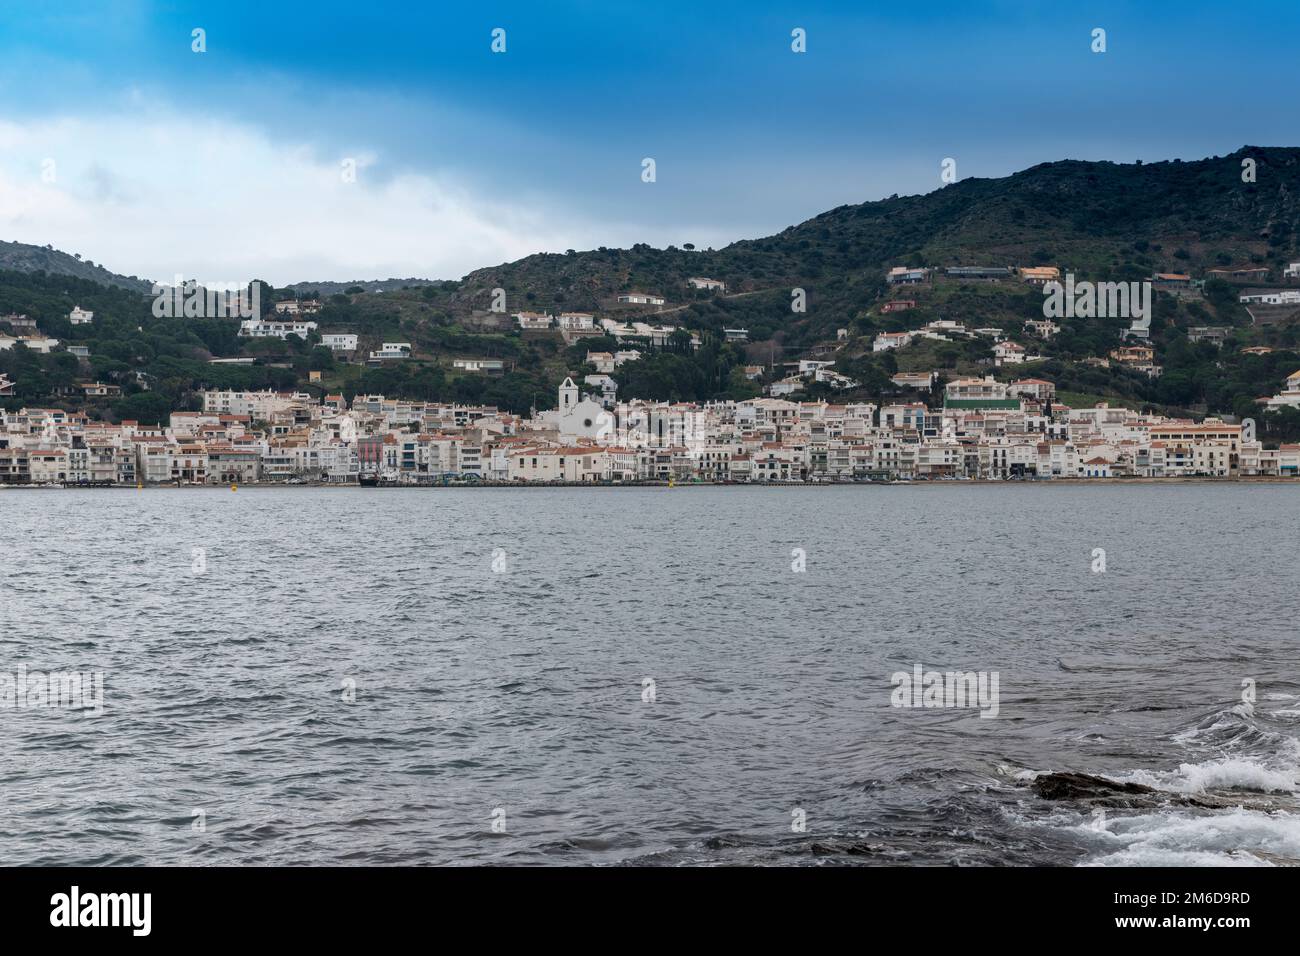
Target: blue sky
(119, 142)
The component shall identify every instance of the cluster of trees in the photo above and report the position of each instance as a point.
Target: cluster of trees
(678, 373)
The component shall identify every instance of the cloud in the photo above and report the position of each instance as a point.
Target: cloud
(156, 192)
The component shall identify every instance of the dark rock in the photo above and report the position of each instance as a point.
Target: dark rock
(1083, 786)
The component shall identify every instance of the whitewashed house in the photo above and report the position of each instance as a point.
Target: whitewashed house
(339, 341)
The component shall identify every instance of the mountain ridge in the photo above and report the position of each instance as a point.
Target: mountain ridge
(966, 217)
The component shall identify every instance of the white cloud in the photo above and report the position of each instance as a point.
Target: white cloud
(155, 193)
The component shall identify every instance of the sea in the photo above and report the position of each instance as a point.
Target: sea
(651, 676)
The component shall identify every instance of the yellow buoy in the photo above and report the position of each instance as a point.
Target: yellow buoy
(139, 486)
(234, 487)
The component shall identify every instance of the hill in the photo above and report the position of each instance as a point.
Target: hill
(20, 257)
(1098, 220)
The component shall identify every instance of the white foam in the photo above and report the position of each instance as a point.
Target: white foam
(1227, 773)
(1179, 838)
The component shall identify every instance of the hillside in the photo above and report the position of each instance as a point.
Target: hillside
(20, 257)
(317, 289)
(1100, 221)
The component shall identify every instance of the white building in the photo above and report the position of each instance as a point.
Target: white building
(80, 316)
(392, 350)
(967, 389)
(479, 365)
(296, 307)
(259, 406)
(906, 275)
(35, 343)
(786, 386)
(1272, 297)
(1008, 353)
(922, 380)
(640, 298)
(700, 282)
(274, 328)
(339, 341)
(608, 388)
(575, 417)
(577, 321)
(1289, 397)
(891, 340)
(534, 320)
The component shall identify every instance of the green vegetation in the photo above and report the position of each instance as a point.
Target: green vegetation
(1100, 221)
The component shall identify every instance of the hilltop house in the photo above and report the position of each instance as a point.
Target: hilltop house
(712, 285)
(297, 307)
(1178, 284)
(640, 298)
(1040, 275)
(339, 341)
(1245, 273)
(978, 272)
(35, 343)
(1270, 297)
(1289, 397)
(80, 316)
(1045, 328)
(274, 329)
(479, 365)
(897, 305)
(391, 350)
(1008, 353)
(906, 275)
(1038, 389)
(534, 320)
(921, 380)
(577, 321)
(1214, 334)
(1138, 358)
(891, 340)
(975, 389)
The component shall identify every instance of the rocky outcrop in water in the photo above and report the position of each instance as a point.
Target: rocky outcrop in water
(1083, 786)
(1104, 792)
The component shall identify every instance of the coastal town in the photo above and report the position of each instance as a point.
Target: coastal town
(935, 423)
(983, 430)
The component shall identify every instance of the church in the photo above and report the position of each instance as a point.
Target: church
(576, 417)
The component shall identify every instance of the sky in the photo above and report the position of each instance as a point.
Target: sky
(360, 140)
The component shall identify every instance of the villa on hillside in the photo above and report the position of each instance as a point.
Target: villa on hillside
(640, 298)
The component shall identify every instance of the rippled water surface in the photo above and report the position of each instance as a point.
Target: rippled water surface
(521, 691)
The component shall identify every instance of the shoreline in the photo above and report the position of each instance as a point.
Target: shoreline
(284, 485)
